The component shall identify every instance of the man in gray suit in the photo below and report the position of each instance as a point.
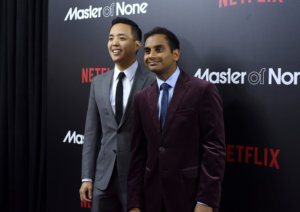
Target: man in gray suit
(106, 148)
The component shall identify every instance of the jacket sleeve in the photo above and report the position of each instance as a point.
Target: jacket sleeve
(138, 156)
(92, 136)
(212, 147)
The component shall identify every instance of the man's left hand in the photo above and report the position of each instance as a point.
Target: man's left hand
(203, 208)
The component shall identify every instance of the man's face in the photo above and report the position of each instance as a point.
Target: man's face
(122, 46)
(158, 56)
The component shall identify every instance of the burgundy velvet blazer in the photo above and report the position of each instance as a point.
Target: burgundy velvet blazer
(184, 162)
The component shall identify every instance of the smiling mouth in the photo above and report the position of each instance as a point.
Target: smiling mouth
(116, 51)
(152, 63)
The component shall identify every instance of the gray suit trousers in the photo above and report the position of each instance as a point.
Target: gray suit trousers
(112, 199)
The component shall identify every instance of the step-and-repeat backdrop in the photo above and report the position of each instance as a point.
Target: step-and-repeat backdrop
(249, 48)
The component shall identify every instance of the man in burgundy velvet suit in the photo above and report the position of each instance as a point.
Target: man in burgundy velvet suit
(178, 145)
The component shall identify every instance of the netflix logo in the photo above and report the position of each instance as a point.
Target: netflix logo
(267, 157)
(89, 73)
(226, 3)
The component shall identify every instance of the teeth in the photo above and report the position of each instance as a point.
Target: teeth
(116, 51)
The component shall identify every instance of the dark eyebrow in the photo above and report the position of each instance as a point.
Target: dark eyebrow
(159, 46)
(120, 34)
(155, 47)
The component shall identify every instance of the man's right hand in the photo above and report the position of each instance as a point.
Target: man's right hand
(86, 192)
(135, 210)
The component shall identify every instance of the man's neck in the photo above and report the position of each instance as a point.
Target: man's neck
(123, 67)
(166, 76)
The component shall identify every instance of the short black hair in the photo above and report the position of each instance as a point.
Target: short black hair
(170, 36)
(135, 30)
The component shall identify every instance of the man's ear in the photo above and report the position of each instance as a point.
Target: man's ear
(138, 44)
(176, 54)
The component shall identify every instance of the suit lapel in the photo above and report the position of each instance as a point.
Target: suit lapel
(107, 82)
(177, 99)
(152, 102)
(138, 83)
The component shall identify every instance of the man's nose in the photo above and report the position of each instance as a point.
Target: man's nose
(115, 42)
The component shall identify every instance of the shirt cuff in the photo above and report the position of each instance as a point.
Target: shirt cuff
(87, 180)
(201, 203)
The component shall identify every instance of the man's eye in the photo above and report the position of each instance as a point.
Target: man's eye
(122, 38)
(159, 49)
(147, 51)
(110, 38)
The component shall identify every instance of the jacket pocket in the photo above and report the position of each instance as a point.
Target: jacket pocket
(191, 172)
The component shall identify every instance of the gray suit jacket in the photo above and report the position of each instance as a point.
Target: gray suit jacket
(104, 140)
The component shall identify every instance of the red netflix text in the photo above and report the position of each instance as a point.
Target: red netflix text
(253, 155)
(89, 73)
(85, 204)
(226, 3)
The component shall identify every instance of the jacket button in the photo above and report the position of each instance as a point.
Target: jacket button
(115, 151)
(162, 149)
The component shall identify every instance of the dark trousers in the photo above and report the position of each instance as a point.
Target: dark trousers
(163, 207)
(112, 199)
